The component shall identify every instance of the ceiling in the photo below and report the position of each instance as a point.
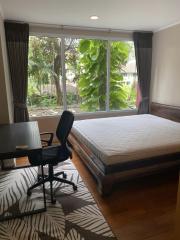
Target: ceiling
(114, 14)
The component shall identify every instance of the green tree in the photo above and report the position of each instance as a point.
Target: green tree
(45, 63)
(93, 74)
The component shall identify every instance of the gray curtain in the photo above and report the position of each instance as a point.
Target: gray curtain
(143, 52)
(17, 40)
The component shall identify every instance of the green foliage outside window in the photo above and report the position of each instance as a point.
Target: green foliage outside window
(93, 74)
(87, 61)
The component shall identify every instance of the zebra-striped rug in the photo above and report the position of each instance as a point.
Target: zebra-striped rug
(75, 216)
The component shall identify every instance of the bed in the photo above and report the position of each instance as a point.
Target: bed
(121, 148)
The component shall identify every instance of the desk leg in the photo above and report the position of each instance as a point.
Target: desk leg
(44, 192)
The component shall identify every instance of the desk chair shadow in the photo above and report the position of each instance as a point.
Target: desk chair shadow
(52, 155)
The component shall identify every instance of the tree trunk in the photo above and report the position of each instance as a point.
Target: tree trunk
(58, 91)
(57, 66)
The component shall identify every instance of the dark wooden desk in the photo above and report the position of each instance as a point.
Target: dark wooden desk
(17, 134)
(12, 135)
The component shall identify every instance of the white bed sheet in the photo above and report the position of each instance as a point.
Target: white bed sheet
(122, 139)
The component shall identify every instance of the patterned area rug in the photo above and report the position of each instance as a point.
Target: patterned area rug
(75, 216)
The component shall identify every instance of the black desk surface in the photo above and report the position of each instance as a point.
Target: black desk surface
(12, 135)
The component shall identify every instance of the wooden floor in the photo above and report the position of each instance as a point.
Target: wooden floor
(138, 210)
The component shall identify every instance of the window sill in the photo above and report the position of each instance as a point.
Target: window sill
(91, 115)
(103, 114)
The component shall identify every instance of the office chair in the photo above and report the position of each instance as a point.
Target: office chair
(52, 155)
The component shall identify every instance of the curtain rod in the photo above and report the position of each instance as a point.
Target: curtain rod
(61, 26)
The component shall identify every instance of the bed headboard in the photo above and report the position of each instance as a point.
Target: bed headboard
(165, 111)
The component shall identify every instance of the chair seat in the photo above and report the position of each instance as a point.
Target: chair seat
(54, 154)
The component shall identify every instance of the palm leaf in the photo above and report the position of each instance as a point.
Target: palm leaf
(51, 222)
(82, 193)
(13, 185)
(74, 235)
(90, 218)
(17, 229)
(30, 204)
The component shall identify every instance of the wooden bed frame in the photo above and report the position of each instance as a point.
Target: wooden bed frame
(105, 182)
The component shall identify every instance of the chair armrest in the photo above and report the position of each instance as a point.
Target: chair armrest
(49, 140)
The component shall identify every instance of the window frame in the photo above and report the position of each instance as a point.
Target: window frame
(39, 31)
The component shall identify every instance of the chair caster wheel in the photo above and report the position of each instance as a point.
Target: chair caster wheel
(39, 178)
(29, 192)
(74, 187)
(64, 175)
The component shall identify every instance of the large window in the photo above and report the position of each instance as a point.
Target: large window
(82, 75)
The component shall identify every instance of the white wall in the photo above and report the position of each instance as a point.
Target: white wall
(5, 87)
(165, 85)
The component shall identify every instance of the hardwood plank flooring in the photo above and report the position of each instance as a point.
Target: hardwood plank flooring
(137, 210)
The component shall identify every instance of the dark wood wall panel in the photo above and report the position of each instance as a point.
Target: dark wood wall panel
(165, 111)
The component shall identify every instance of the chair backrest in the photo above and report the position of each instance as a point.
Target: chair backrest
(64, 126)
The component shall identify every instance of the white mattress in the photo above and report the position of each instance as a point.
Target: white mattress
(122, 139)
